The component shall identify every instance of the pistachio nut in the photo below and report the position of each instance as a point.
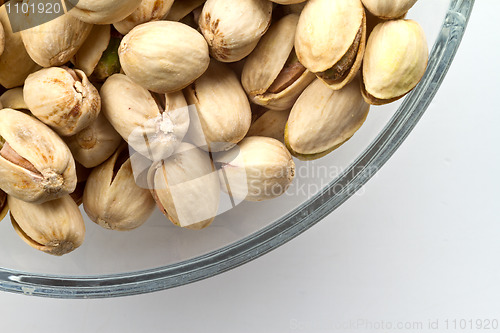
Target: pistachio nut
(395, 61)
(153, 125)
(330, 39)
(54, 43)
(163, 56)
(91, 51)
(112, 199)
(55, 227)
(233, 28)
(4, 207)
(101, 11)
(15, 63)
(13, 99)
(35, 164)
(109, 63)
(388, 9)
(188, 196)
(272, 75)
(181, 9)
(94, 144)
(148, 10)
(62, 98)
(258, 169)
(271, 124)
(323, 119)
(223, 111)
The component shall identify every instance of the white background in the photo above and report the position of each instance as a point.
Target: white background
(421, 243)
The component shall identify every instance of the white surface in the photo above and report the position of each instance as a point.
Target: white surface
(418, 243)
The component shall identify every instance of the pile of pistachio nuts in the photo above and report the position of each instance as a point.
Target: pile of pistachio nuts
(124, 106)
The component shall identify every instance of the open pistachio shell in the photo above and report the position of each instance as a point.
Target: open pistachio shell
(388, 9)
(91, 51)
(186, 187)
(55, 227)
(272, 75)
(395, 61)
(233, 28)
(330, 39)
(148, 10)
(13, 99)
(323, 119)
(101, 11)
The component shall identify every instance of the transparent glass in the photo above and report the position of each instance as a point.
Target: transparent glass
(159, 255)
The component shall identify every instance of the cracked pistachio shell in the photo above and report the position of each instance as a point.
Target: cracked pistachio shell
(101, 11)
(233, 28)
(223, 111)
(13, 99)
(55, 227)
(323, 119)
(15, 63)
(330, 39)
(94, 144)
(271, 124)
(180, 9)
(148, 10)
(163, 56)
(112, 198)
(54, 43)
(388, 9)
(35, 164)
(4, 207)
(395, 61)
(186, 187)
(92, 49)
(272, 75)
(258, 169)
(62, 98)
(154, 128)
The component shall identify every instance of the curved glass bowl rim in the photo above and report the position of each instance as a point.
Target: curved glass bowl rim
(287, 227)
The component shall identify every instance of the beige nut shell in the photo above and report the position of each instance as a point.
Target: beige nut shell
(388, 9)
(148, 10)
(101, 11)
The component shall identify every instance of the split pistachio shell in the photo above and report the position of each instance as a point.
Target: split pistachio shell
(35, 164)
(181, 9)
(112, 199)
(323, 119)
(388, 9)
(223, 111)
(186, 187)
(55, 227)
(54, 43)
(164, 56)
(13, 99)
(15, 63)
(152, 127)
(395, 61)
(4, 207)
(330, 39)
(62, 98)
(101, 11)
(271, 124)
(94, 144)
(91, 51)
(148, 10)
(272, 75)
(233, 28)
(257, 169)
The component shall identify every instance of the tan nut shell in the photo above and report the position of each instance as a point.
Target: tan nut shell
(233, 28)
(271, 124)
(37, 144)
(323, 119)
(267, 164)
(149, 10)
(134, 113)
(62, 98)
(94, 144)
(54, 43)
(55, 227)
(112, 199)
(13, 99)
(388, 9)
(163, 56)
(2, 39)
(266, 62)
(395, 61)
(325, 33)
(15, 63)
(186, 187)
(181, 9)
(223, 110)
(91, 51)
(101, 11)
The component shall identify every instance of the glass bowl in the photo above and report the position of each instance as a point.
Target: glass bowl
(159, 255)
